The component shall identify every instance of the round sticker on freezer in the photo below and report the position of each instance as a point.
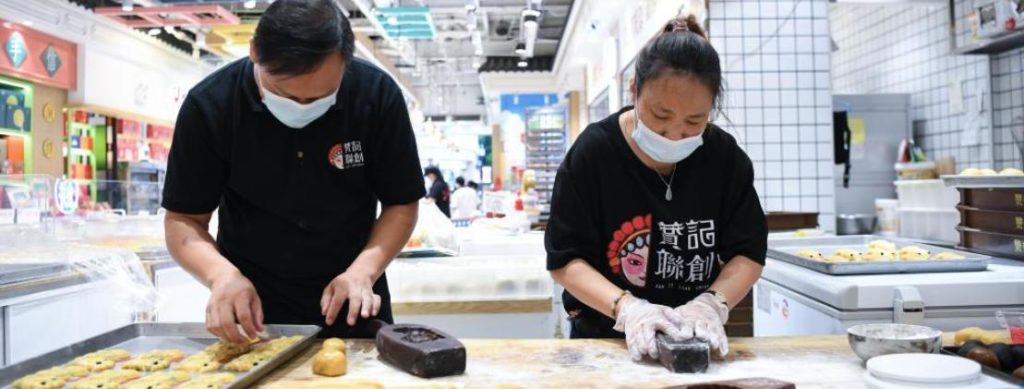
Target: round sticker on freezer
(65, 195)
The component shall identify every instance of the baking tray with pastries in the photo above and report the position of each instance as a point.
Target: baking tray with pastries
(992, 349)
(869, 254)
(159, 356)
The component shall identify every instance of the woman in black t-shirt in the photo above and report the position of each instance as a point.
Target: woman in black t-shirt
(655, 224)
(438, 191)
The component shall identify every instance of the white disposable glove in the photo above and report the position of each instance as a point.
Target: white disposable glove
(641, 321)
(704, 318)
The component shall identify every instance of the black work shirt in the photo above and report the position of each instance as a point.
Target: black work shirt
(442, 197)
(609, 209)
(296, 206)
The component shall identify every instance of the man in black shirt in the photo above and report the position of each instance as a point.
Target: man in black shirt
(294, 146)
(439, 192)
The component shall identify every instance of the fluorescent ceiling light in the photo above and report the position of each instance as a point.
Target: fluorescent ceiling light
(523, 63)
(153, 32)
(127, 5)
(249, 4)
(520, 48)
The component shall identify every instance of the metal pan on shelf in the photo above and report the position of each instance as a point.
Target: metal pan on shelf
(785, 250)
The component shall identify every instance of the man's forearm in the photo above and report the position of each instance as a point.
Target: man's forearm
(190, 244)
(389, 235)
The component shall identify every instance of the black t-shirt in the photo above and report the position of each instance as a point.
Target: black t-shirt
(609, 209)
(296, 206)
(442, 197)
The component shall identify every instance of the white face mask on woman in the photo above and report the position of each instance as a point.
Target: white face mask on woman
(294, 114)
(660, 148)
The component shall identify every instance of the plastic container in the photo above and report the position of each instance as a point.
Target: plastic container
(929, 225)
(931, 194)
(993, 221)
(992, 243)
(993, 199)
(1013, 322)
(887, 212)
(916, 171)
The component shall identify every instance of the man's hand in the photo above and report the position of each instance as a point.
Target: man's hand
(355, 287)
(234, 301)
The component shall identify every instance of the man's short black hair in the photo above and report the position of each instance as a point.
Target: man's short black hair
(294, 36)
(460, 181)
(436, 171)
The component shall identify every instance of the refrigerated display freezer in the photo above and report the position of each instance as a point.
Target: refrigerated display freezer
(792, 300)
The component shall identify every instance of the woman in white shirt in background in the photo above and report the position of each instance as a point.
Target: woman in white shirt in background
(464, 201)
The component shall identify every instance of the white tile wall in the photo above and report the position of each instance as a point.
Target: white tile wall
(1008, 108)
(778, 97)
(905, 48)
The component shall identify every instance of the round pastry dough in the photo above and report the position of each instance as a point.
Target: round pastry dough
(882, 245)
(1011, 172)
(849, 254)
(334, 344)
(948, 256)
(971, 172)
(809, 254)
(988, 172)
(330, 363)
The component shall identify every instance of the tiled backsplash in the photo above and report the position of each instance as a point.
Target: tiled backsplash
(905, 48)
(1008, 108)
(775, 55)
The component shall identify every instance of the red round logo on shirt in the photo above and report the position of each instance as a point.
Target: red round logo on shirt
(337, 157)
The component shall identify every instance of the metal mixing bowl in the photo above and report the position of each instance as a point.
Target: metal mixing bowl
(872, 340)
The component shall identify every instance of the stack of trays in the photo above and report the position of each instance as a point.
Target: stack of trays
(991, 214)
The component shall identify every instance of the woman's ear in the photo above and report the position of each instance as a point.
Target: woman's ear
(632, 90)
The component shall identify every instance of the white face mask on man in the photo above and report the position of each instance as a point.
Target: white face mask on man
(660, 148)
(292, 113)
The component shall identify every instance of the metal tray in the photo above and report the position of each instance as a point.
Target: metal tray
(141, 337)
(785, 250)
(984, 181)
(11, 273)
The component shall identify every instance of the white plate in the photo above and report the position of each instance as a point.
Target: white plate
(983, 382)
(924, 368)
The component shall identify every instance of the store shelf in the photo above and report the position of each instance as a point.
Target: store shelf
(14, 132)
(997, 45)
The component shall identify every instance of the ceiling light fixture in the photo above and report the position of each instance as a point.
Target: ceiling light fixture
(127, 5)
(520, 49)
(153, 32)
(523, 63)
(472, 5)
(28, 23)
(249, 4)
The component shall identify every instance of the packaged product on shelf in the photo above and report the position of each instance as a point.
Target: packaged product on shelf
(433, 230)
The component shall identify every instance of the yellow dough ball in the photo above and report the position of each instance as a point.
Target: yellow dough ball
(334, 344)
(971, 172)
(809, 254)
(1011, 172)
(877, 255)
(330, 363)
(967, 334)
(988, 172)
(834, 259)
(849, 254)
(882, 245)
(947, 256)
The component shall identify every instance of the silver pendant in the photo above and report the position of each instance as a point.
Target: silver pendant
(668, 194)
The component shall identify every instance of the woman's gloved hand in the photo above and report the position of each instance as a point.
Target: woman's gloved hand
(704, 318)
(641, 321)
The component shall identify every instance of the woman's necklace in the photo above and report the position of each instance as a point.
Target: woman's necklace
(672, 177)
(668, 184)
